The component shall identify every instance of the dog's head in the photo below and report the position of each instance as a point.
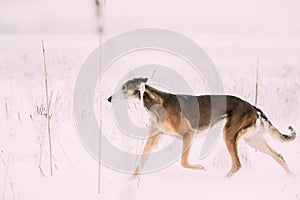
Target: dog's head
(132, 88)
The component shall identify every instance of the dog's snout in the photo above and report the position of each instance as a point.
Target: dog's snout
(123, 87)
(109, 99)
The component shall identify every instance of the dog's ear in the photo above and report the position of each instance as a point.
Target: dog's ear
(144, 80)
(141, 79)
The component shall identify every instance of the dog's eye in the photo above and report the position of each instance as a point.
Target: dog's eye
(135, 92)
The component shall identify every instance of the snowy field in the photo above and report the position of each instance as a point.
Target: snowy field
(24, 155)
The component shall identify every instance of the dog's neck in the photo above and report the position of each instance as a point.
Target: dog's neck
(154, 96)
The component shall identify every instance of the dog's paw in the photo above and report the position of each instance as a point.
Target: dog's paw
(195, 167)
(199, 167)
(136, 173)
(233, 171)
(228, 175)
(291, 174)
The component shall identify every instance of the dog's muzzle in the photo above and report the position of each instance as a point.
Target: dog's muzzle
(109, 99)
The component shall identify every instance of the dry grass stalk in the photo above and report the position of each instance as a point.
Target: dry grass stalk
(47, 106)
(256, 82)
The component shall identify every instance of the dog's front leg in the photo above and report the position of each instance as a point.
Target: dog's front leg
(186, 147)
(151, 142)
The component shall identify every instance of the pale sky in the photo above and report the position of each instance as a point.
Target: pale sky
(207, 17)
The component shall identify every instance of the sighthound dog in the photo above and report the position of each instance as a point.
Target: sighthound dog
(242, 119)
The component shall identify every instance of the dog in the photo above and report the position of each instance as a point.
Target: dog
(167, 116)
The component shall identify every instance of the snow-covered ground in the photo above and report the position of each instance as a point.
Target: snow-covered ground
(24, 140)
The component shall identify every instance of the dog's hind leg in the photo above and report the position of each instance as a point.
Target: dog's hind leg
(258, 142)
(231, 141)
(237, 122)
(231, 144)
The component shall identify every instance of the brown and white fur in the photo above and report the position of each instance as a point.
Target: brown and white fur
(242, 119)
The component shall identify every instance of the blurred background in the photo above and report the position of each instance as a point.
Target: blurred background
(205, 17)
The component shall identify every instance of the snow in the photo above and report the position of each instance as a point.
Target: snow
(24, 140)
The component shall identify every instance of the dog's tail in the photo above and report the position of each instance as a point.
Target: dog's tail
(274, 132)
